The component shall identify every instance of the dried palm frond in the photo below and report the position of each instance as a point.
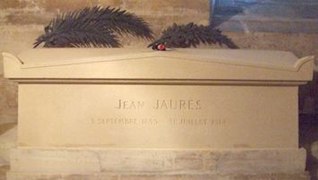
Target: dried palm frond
(95, 26)
(183, 36)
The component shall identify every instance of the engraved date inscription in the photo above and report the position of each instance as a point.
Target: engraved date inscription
(124, 121)
(156, 122)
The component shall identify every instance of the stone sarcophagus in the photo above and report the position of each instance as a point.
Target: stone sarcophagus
(122, 113)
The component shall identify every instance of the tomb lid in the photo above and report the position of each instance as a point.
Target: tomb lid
(258, 58)
(126, 63)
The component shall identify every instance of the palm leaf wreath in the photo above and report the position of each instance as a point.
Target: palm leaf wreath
(93, 27)
(183, 36)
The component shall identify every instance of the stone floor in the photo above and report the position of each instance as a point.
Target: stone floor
(308, 138)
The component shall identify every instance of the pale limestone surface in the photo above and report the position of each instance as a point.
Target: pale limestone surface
(167, 163)
(121, 116)
(183, 64)
(21, 21)
(161, 177)
(131, 98)
(130, 113)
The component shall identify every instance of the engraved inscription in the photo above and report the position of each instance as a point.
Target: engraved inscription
(178, 104)
(155, 122)
(127, 104)
(160, 104)
(124, 121)
(198, 121)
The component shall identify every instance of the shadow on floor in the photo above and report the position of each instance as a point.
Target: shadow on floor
(5, 127)
(3, 171)
(308, 138)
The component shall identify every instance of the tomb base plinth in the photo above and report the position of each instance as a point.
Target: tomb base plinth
(34, 164)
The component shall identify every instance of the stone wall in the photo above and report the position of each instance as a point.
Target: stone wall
(21, 21)
(267, 15)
